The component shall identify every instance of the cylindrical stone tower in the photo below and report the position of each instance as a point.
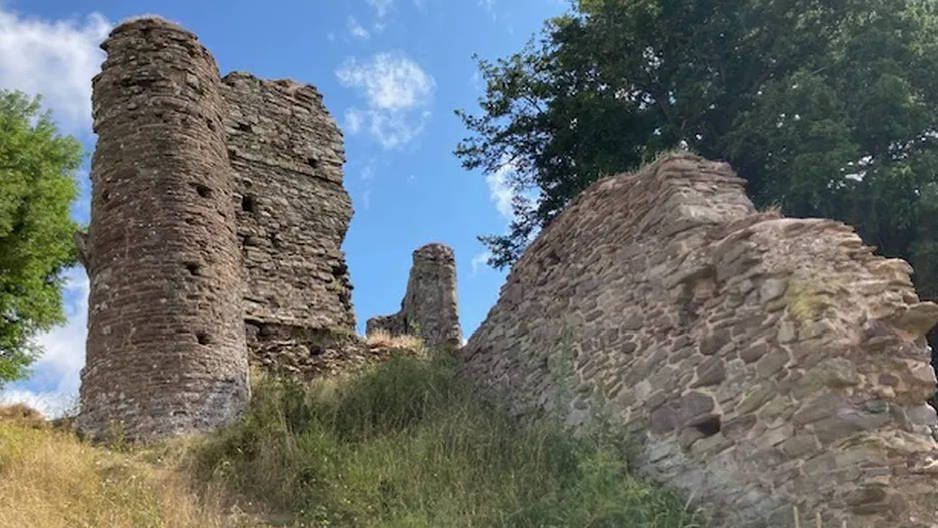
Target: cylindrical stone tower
(166, 350)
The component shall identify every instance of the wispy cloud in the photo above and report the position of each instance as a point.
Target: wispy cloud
(357, 30)
(479, 260)
(500, 191)
(489, 7)
(476, 81)
(55, 58)
(502, 194)
(381, 7)
(397, 93)
(366, 198)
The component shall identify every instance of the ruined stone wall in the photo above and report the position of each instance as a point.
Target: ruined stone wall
(760, 362)
(429, 308)
(165, 346)
(293, 212)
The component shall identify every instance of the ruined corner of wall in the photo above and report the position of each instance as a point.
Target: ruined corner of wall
(429, 309)
(759, 362)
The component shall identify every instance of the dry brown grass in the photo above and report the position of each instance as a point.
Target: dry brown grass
(384, 339)
(50, 479)
(22, 415)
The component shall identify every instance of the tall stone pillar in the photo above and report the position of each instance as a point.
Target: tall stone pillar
(166, 348)
(429, 309)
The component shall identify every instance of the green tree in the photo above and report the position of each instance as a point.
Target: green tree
(826, 108)
(37, 190)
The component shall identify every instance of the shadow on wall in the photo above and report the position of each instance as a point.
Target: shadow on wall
(760, 361)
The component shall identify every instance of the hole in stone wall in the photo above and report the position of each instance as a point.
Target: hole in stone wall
(203, 338)
(312, 162)
(194, 268)
(709, 426)
(243, 127)
(210, 123)
(248, 203)
(203, 191)
(339, 270)
(105, 196)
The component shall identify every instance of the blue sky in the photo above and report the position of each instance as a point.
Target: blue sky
(391, 72)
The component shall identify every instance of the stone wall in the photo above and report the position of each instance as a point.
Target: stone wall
(218, 216)
(293, 212)
(166, 346)
(760, 362)
(429, 308)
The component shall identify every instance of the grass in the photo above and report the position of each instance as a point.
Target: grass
(404, 444)
(408, 445)
(383, 339)
(49, 479)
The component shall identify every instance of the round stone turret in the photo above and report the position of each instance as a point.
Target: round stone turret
(166, 350)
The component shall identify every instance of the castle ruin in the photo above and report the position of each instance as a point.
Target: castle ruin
(218, 215)
(759, 362)
(429, 309)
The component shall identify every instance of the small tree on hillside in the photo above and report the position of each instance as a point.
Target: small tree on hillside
(37, 190)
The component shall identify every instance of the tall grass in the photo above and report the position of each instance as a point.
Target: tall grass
(406, 444)
(49, 479)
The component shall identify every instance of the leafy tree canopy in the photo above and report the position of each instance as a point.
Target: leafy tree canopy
(826, 107)
(37, 189)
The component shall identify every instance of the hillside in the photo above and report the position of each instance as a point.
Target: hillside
(404, 444)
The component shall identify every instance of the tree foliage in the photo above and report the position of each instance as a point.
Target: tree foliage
(826, 107)
(37, 189)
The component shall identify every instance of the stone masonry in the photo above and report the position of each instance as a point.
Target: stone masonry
(761, 362)
(429, 309)
(166, 346)
(218, 215)
(293, 212)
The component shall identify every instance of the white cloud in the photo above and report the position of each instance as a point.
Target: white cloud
(55, 58)
(489, 7)
(381, 7)
(357, 30)
(368, 173)
(397, 93)
(476, 81)
(389, 81)
(500, 191)
(480, 260)
(353, 120)
(50, 404)
(63, 357)
(366, 198)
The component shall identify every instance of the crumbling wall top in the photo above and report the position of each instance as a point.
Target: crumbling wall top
(759, 362)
